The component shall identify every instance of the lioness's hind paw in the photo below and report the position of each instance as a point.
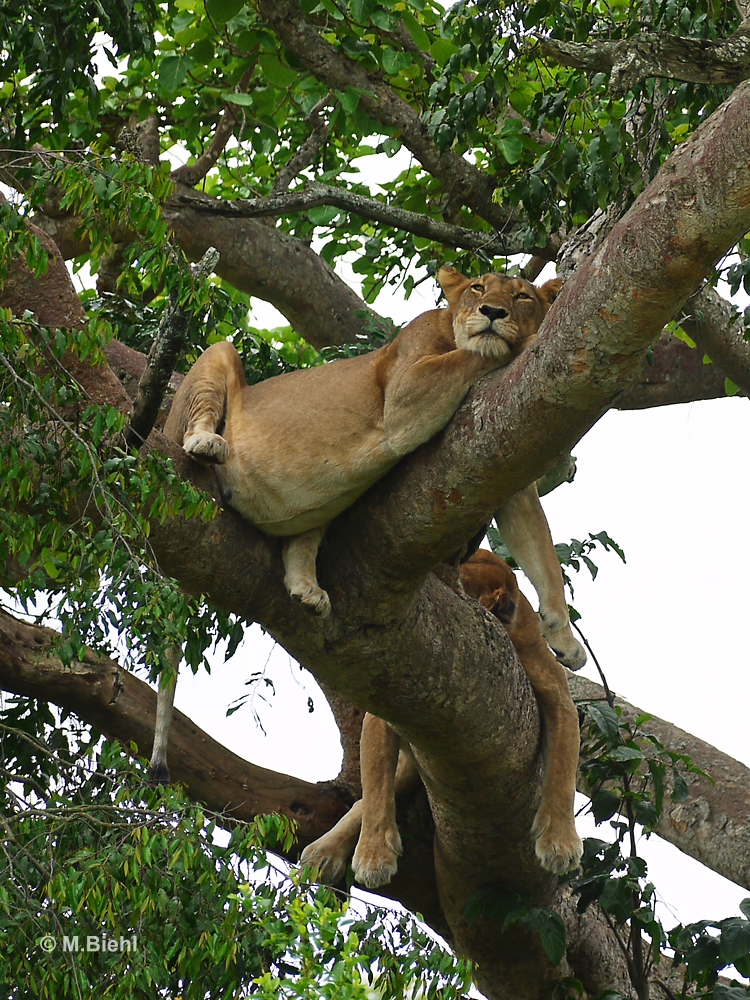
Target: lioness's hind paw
(329, 865)
(314, 599)
(372, 872)
(564, 645)
(559, 854)
(206, 448)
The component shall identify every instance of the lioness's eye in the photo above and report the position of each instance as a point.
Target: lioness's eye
(523, 295)
(477, 288)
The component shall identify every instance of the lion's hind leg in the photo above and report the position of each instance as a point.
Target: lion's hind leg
(329, 855)
(300, 576)
(557, 844)
(203, 401)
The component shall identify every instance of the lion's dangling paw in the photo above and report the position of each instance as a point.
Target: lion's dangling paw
(328, 857)
(313, 599)
(558, 846)
(206, 448)
(563, 643)
(376, 862)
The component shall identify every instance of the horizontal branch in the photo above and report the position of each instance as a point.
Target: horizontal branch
(719, 332)
(256, 259)
(649, 54)
(314, 194)
(122, 707)
(713, 824)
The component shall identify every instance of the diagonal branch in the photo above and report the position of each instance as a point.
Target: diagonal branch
(630, 60)
(165, 351)
(190, 174)
(461, 180)
(307, 151)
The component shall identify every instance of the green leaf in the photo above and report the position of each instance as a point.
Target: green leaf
(349, 99)
(606, 719)
(730, 388)
(604, 804)
(244, 100)
(362, 9)
(510, 147)
(416, 30)
(617, 899)
(221, 11)
(626, 753)
(173, 72)
(554, 938)
(276, 73)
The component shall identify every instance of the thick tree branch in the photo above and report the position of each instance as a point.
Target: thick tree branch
(122, 707)
(675, 373)
(256, 259)
(630, 60)
(720, 333)
(713, 824)
(314, 194)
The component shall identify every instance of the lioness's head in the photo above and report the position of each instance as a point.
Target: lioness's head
(495, 315)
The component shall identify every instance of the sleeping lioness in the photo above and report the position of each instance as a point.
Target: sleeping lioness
(388, 767)
(292, 452)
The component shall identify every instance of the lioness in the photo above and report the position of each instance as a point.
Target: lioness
(388, 767)
(292, 452)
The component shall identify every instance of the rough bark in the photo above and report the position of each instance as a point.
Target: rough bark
(715, 820)
(649, 54)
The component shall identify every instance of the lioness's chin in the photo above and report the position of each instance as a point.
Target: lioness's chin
(489, 345)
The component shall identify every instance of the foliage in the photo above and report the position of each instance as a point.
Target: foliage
(114, 888)
(628, 771)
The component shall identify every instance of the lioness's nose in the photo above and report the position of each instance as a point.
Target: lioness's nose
(494, 312)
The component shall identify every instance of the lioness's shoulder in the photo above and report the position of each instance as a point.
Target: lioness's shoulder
(430, 333)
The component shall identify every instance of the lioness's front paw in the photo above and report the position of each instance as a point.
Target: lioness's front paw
(313, 598)
(206, 448)
(563, 643)
(558, 846)
(328, 858)
(376, 862)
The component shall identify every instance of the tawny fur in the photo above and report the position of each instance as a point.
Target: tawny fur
(388, 767)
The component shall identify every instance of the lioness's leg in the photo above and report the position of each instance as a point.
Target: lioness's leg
(558, 846)
(330, 853)
(525, 531)
(200, 404)
(300, 576)
(379, 845)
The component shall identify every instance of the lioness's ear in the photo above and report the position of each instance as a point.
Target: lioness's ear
(549, 291)
(452, 282)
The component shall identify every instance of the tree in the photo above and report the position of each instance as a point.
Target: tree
(610, 139)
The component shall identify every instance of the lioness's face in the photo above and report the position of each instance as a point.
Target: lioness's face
(494, 315)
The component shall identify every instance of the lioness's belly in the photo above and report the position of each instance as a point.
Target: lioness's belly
(303, 448)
